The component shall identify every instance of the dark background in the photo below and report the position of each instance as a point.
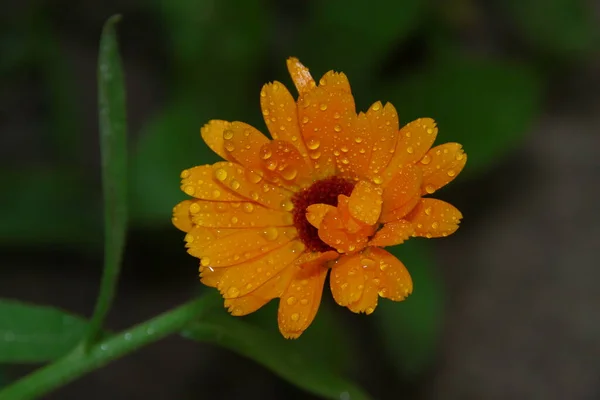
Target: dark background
(511, 304)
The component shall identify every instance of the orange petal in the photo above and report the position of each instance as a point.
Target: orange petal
(283, 164)
(181, 216)
(212, 134)
(242, 142)
(401, 193)
(434, 218)
(316, 212)
(441, 165)
(353, 146)
(251, 186)
(254, 300)
(281, 115)
(210, 276)
(241, 246)
(300, 75)
(383, 123)
(368, 291)
(323, 115)
(414, 139)
(218, 214)
(365, 202)
(242, 279)
(392, 233)
(300, 301)
(333, 81)
(199, 237)
(347, 279)
(199, 182)
(335, 233)
(395, 282)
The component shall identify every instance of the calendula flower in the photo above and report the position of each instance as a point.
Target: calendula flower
(326, 193)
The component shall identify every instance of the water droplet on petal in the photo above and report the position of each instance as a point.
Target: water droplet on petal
(185, 173)
(248, 207)
(228, 134)
(221, 174)
(410, 150)
(451, 173)
(313, 144)
(429, 189)
(323, 107)
(291, 301)
(425, 160)
(234, 220)
(233, 291)
(295, 317)
(189, 190)
(235, 185)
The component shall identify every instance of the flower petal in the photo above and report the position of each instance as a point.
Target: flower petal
(300, 301)
(352, 146)
(414, 139)
(284, 165)
(200, 236)
(334, 231)
(281, 115)
(441, 165)
(251, 186)
(211, 276)
(212, 134)
(434, 218)
(316, 212)
(219, 214)
(401, 193)
(181, 216)
(365, 202)
(383, 122)
(332, 81)
(241, 246)
(347, 279)
(242, 279)
(323, 114)
(302, 78)
(254, 300)
(395, 282)
(200, 183)
(392, 233)
(367, 301)
(242, 142)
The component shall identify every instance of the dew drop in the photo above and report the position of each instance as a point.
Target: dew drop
(305, 120)
(410, 150)
(254, 196)
(248, 207)
(429, 189)
(216, 193)
(233, 291)
(235, 185)
(271, 233)
(185, 173)
(459, 156)
(344, 149)
(451, 173)
(265, 111)
(435, 225)
(369, 310)
(295, 317)
(426, 159)
(337, 128)
(291, 301)
(287, 205)
(313, 144)
(234, 220)
(221, 174)
(205, 261)
(228, 134)
(289, 173)
(376, 107)
(189, 190)
(266, 154)
(377, 180)
(428, 211)
(315, 155)
(323, 107)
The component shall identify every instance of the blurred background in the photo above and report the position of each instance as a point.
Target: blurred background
(505, 308)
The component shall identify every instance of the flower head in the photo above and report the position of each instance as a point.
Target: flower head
(326, 193)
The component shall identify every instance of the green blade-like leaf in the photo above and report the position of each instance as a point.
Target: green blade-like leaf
(288, 359)
(31, 334)
(113, 147)
(486, 106)
(410, 330)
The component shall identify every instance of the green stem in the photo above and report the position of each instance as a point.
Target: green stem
(80, 361)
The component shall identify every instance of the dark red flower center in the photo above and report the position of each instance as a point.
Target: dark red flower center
(325, 191)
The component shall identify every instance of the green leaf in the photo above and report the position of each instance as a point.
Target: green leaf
(484, 105)
(113, 148)
(354, 36)
(567, 29)
(286, 358)
(32, 334)
(410, 330)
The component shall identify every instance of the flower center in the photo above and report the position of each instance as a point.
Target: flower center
(325, 191)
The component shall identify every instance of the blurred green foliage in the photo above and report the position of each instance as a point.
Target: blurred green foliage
(409, 52)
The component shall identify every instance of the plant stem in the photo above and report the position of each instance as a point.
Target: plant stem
(80, 361)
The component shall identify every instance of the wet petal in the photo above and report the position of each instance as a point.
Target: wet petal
(242, 143)
(211, 276)
(392, 233)
(352, 146)
(300, 75)
(251, 186)
(414, 139)
(383, 123)
(368, 298)
(218, 214)
(434, 218)
(199, 182)
(181, 216)
(395, 282)
(347, 279)
(200, 236)
(254, 300)
(281, 115)
(365, 202)
(242, 279)
(316, 212)
(323, 114)
(333, 81)
(441, 165)
(283, 164)
(300, 301)
(212, 134)
(241, 246)
(401, 193)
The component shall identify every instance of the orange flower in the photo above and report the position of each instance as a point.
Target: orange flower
(326, 193)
